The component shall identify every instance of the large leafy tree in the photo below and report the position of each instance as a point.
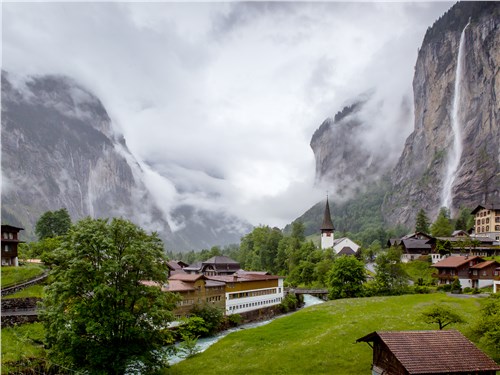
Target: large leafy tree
(422, 222)
(99, 314)
(346, 277)
(443, 226)
(441, 315)
(390, 277)
(52, 224)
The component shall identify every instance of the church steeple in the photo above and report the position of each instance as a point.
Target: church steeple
(327, 228)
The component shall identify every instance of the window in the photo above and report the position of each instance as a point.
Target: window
(474, 272)
(497, 227)
(482, 221)
(487, 228)
(497, 219)
(478, 222)
(487, 220)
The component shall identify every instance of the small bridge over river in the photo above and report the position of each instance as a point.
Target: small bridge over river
(320, 293)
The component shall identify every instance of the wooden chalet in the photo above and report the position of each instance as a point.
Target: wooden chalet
(413, 246)
(215, 266)
(473, 272)
(10, 241)
(427, 353)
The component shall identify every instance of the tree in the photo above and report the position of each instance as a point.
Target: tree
(390, 277)
(422, 222)
(465, 220)
(346, 277)
(99, 314)
(52, 224)
(441, 315)
(487, 328)
(442, 227)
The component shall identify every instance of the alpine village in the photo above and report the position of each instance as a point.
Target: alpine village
(396, 273)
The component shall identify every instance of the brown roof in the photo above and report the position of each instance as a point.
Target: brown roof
(191, 277)
(485, 264)
(346, 251)
(434, 352)
(177, 286)
(242, 278)
(454, 261)
(327, 218)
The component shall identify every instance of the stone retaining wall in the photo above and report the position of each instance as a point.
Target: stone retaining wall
(14, 304)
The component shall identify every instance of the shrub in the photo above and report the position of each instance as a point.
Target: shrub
(467, 290)
(234, 320)
(289, 303)
(213, 317)
(193, 327)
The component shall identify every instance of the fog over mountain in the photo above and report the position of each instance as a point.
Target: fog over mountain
(217, 102)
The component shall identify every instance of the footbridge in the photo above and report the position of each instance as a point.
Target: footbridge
(320, 293)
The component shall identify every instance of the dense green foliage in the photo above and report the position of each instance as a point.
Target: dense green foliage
(320, 339)
(53, 224)
(212, 317)
(346, 278)
(422, 222)
(43, 249)
(98, 314)
(487, 329)
(390, 276)
(443, 226)
(441, 314)
(15, 275)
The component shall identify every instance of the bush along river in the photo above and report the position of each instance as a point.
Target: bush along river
(203, 344)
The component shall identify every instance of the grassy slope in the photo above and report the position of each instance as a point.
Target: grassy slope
(31, 291)
(320, 339)
(21, 342)
(14, 275)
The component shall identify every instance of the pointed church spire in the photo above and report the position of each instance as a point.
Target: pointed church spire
(327, 219)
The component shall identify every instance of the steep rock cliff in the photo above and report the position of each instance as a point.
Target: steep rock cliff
(418, 178)
(59, 149)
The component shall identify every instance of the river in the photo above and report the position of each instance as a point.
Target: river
(204, 343)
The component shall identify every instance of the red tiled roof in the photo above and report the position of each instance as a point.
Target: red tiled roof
(454, 261)
(434, 352)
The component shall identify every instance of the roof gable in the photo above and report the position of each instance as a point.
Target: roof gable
(434, 352)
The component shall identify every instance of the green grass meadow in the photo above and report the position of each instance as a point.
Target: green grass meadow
(320, 339)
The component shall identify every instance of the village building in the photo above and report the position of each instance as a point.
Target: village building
(413, 246)
(327, 229)
(487, 221)
(10, 241)
(496, 282)
(217, 265)
(247, 291)
(472, 272)
(194, 289)
(427, 353)
(341, 246)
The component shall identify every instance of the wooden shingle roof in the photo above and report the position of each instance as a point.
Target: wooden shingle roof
(434, 352)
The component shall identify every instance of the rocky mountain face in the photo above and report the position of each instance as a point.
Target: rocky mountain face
(418, 180)
(424, 174)
(59, 149)
(345, 162)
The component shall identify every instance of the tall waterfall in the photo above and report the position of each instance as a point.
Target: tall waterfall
(456, 151)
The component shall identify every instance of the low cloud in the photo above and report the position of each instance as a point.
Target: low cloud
(218, 101)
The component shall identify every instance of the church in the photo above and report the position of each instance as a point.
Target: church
(341, 246)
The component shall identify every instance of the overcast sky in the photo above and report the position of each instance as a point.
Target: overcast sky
(218, 101)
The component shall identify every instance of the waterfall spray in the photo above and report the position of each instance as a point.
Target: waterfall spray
(456, 151)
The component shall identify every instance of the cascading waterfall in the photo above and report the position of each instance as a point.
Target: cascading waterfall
(456, 151)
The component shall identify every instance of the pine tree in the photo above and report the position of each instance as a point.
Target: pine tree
(422, 222)
(442, 227)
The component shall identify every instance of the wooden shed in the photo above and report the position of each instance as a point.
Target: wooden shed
(427, 353)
